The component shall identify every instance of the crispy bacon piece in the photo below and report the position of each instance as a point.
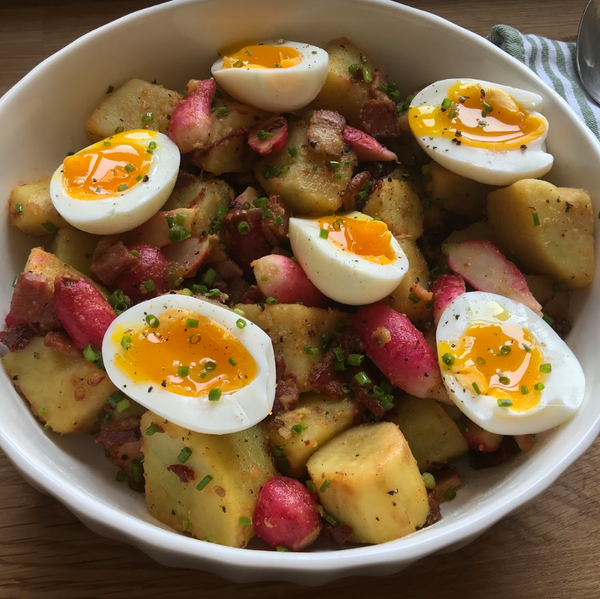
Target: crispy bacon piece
(324, 133)
(481, 440)
(339, 534)
(62, 344)
(111, 259)
(82, 311)
(351, 199)
(268, 137)
(184, 473)
(275, 222)
(32, 302)
(17, 337)
(188, 255)
(190, 123)
(435, 515)
(445, 289)
(367, 148)
(244, 236)
(287, 393)
(479, 459)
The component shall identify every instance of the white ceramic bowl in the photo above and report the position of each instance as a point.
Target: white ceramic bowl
(42, 119)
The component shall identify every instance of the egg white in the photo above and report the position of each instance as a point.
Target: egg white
(340, 275)
(486, 166)
(235, 411)
(277, 90)
(125, 210)
(564, 386)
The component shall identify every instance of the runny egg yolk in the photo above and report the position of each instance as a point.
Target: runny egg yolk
(185, 353)
(470, 115)
(367, 238)
(263, 57)
(110, 167)
(500, 361)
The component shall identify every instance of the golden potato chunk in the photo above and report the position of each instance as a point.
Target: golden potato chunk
(206, 485)
(75, 247)
(231, 155)
(308, 182)
(31, 209)
(342, 92)
(433, 437)
(297, 434)
(478, 230)
(403, 298)
(553, 297)
(549, 229)
(66, 393)
(137, 104)
(292, 327)
(368, 479)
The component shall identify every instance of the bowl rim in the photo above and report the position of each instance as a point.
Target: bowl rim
(152, 538)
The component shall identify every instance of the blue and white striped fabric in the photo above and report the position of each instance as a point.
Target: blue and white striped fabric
(554, 63)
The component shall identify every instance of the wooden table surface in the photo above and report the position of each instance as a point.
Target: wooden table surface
(548, 550)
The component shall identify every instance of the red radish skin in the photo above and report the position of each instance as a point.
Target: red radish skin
(152, 266)
(188, 255)
(280, 277)
(445, 289)
(480, 439)
(82, 311)
(484, 267)
(286, 514)
(367, 148)
(275, 132)
(398, 349)
(190, 124)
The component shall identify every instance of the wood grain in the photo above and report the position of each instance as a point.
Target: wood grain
(549, 550)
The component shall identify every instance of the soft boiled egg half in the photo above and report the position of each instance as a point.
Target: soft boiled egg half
(116, 184)
(275, 75)
(194, 363)
(484, 131)
(353, 259)
(504, 366)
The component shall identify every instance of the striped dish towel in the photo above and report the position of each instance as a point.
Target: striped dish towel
(554, 63)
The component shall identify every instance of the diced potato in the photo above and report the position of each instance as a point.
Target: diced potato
(433, 437)
(317, 419)
(305, 181)
(478, 230)
(403, 299)
(398, 206)
(228, 115)
(292, 327)
(64, 392)
(375, 486)
(456, 193)
(341, 92)
(554, 297)
(232, 155)
(549, 229)
(239, 465)
(75, 247)
(137, 104)
(50, 266)
(30, 207)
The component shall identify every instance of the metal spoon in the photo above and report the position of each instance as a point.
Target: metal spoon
(588, 49)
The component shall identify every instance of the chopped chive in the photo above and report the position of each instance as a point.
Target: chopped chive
(548, 319)
(209, 539)
(183, 371)
(42, 412)
(238, 64)
(191, 323)
(134, 253)
(298, 428)
(262, 134)
(505, 350)
(339, 354)
(123, 187)
(152, 145)
(330, 519)
(185, 525)
(213, 293)
(214, 394)
(139, 178)
(14, 283)
(126, 342)
(50, 227)
(448, 359)
(524, 389)
(152, 321)
(186, 291)
(239, 311)
(152, 429)
(429, 480)
(121, 476)
(446, 103)
(199, 288)
(310, 350)
(107, 144)
(114, 398)
(504, 380)
(278, 221)
(536, 219)
(282, 549)
(119, 129)
(147, 286)
(148, 117)
(476, 388)
(480, 360)
(123, 405)
(19, 208)
(271, 300)
(362, 379)
(311, 486)
(91, 354)
(449, 494)
(240, 324)
(184, 455)
(210, 366)
(546, 368)
(194, 339)
(129, 168)
(323, 233)
(209, 277)
(245, 521)
(232, 362)
(221, 112)
(243, 227)
(558, 287)
(346, 388)
(264, 278)
(204, 482)
(325, 486)
(110, 89)
(415, 299)
(527, 348)
(355, 359)
(539, 386)
(505, 403)
(293, 151)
